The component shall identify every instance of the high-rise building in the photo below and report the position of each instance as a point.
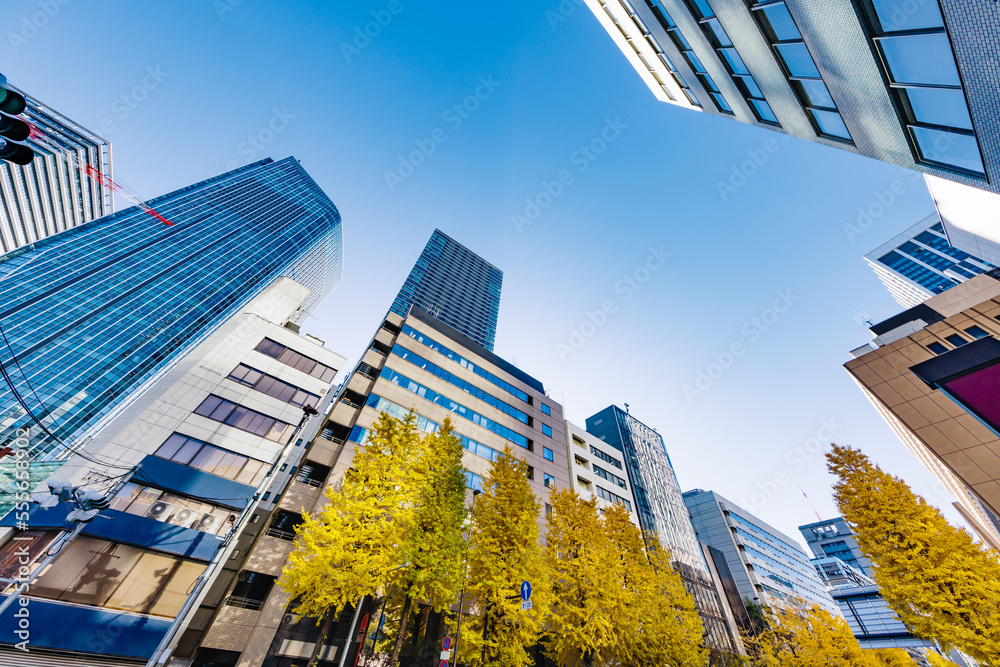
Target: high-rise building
(660, 508)
(768, 566)
(414, 361)
(201, 438)
(933, 373)
(456, 286)
(846, 573)
(596, 470)
(920, 262)
(896, 81)
(52, 194)
(92, 316)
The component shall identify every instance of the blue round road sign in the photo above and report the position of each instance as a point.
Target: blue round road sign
(446, 643)
(525, 591)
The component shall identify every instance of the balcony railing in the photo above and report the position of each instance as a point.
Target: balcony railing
(244, 603)
(287, 535)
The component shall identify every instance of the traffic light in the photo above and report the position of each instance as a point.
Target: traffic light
(13, 129)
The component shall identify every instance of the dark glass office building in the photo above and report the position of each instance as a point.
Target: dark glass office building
(456, 286)
(661, 510)
(91, 316)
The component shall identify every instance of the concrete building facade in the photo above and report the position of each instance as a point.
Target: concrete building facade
(933, 373)
(596, 470)
(198, 442)
(900, 81)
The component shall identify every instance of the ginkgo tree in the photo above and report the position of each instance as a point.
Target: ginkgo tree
(941, 584)
(352, 547)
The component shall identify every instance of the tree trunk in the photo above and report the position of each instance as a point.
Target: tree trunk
(404, 617)
(324, 631)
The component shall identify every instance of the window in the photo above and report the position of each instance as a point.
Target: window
(581, 462)
(548, 510)
(283, 525)
(778, 26)
(547, 430)
(272, 386)
(584, 483)
(610, 497)
(211, 459)
(604, 474)
(106, 574)
(251, 590)
(297, 361)
(473, 481)
(738, 70)
(251, 421)
(976, 332)
(607, 458)
(549, 480)
(685, 48)
(546, 409)
(531, 472)
(312, 474)
(956, 340)
(919, 63)
(547, 453)
(166, 507)
(937, 348)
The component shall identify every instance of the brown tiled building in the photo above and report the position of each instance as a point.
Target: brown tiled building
(933, 372)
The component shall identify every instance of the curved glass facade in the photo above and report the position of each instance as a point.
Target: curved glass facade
(94, 314)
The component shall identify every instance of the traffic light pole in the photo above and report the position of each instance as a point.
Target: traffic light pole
(170, 639)
(57, 547)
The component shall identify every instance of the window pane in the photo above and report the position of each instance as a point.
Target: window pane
(748, 87)
(736, 65)
(239, 417)
(817, 94)
(830, 123)
(764, 111)
(682, 44)
(208, 458)
(957, 150)
(894, 15)
(923, 59)
(939, 106)
(797, 59)
(703, 7)
(222, 411)
(157, 585)
(170, 447)
(87, 572)
(721, 38)
(711, 88)
(694, 61)
(781, 23)
(207, 406)
(187, 451)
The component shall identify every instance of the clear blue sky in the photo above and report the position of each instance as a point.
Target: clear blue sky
(228, 70)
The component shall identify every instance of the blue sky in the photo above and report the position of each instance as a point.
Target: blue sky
(186, 89)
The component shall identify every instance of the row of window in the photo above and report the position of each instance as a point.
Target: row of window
(675, 35)
(211, 459)
(920, 65)
(244, 419)
(290, 357)
(467, 387)
(607, 458)
(956, 340)
(272, 386)
(459, 409)
(465, 363)
(399, 412)
(738, 70)
(799, 67)
(604, 474)
(610, 497)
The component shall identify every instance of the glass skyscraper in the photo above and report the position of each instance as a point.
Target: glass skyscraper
(93, 315)
(661, 511)
(456, 286)
(920, 262)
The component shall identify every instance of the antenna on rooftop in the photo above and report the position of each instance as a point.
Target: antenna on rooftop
(626, 408)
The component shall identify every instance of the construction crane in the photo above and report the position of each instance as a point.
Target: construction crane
(92, 172)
